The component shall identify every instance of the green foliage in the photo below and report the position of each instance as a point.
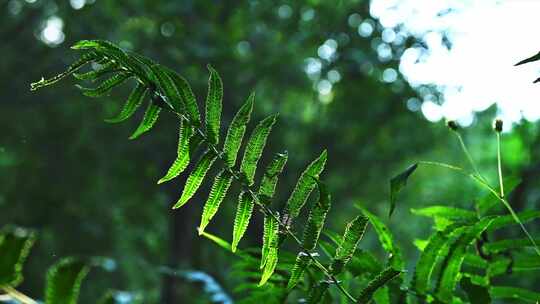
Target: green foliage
(437, 272)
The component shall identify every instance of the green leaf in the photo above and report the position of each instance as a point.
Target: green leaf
(219, 241)
(85, 58)
(168, 88)
(151, 115)
(185, 134)
(505, 245)
(305, 185)
(133, 102)
(506, 292)
(255, 147)
(241, 220)
(454, 260)
(529, 59)
(64, 281)
(386, 239)
(271, 176)
(236, 131)
(106, 86)
(219, 189)
(379, 281)
(105, 68)
(188, 97)
(397, 183)
(270, 234)
(477, 294)
(488, 202)
(354, 232)
(213, 105)
(506, 220)
(271, 263)
(449, 213)
(196, 178)
(429, 257)
(15, 244)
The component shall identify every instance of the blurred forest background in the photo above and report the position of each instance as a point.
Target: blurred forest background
(88, 191)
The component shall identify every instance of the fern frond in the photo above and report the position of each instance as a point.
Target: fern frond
(271, 263)
(183, 153)
(214, 105)
(305, 185)
(255, 147)
(188, 97)
(354, 231)
(302, 262)
(168, 88)
(236, 131)
(196, 177)
(219, 189)
(106, 86)
(133, 102)
(241, 220)
(151, 115)
(64, 281)
(85, 58)
(386, 239)
(15, 245)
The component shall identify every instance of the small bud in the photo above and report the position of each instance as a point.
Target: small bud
(452, 125)
(498, 125)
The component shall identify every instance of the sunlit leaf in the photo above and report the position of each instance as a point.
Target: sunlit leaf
(270, 234)
(354, 232)
(188, 97)
(255, 147)
(271, 176)
(236, 131)
(196, 178)
(305, 185)
(151, 115)
(214, 105)
(219, 189)
(386, 239)
(241, 220)
(185, 134)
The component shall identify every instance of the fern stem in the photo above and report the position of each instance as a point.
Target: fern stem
(264, 208)
(17, 295)
(499, 163)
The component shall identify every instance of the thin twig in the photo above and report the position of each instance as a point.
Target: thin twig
(17, 295)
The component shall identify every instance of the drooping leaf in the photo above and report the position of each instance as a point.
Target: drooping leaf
(196, 178)
(271, 176)
(386, 239)
(255, 147)
(213, 105)
(236, 131)
(241, 220)
(133, 102)
(446, 212)
(397, 183)
(219, 189)
(530, 59)
(305, 185)
(188, 97)
(270, 234)
(452, 265)
(104, 69)
(85, 58)
(64, 281)
(507, 292)
(354, 232)
(185, 134)
(15, 244)
(106, 86)
(379, 281)
(151, 115)
(476, 293)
